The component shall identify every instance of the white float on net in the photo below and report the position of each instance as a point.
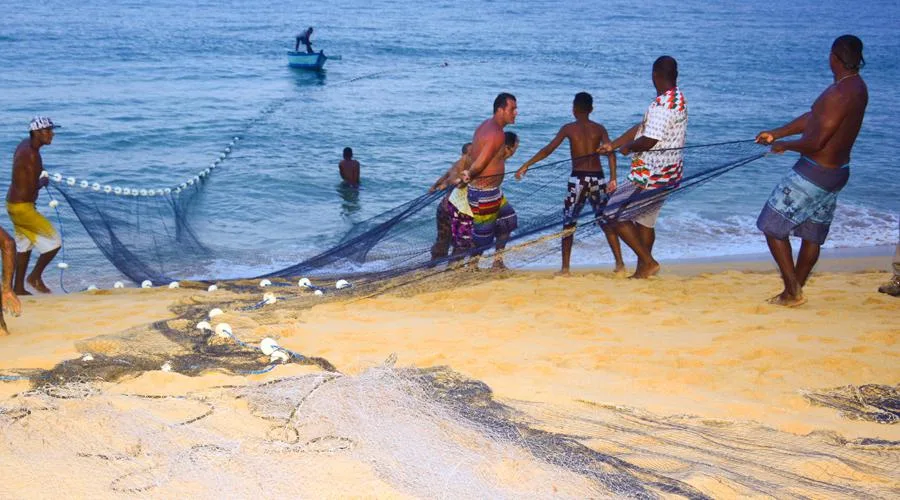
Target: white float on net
(215, 312)
(224, 330)
(341, 284)
(204, 325)
(269, 298)
(174, 284)
(265, 283)
(212, 288)
(146, 284)
(268, 346)
(118, 284)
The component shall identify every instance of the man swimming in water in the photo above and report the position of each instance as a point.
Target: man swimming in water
(349, 169)
(586, 182)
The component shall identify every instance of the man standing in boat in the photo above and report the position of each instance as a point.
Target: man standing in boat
(304, 38)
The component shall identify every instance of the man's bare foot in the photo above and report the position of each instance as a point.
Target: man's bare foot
(11, 303)
(37, 284)
(498, 265)
(619, 270)
(562, 272)
(3, 331)
(21, 291)
(644, 272)
(787, 300)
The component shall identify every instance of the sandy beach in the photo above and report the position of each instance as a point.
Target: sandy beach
(696, 345)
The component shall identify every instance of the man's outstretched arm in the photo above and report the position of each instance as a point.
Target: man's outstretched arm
(623, 139)
(543, 153)
(794, 127)
(824, 121)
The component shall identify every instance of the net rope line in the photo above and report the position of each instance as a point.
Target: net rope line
(552, 223)
(177, 188)
(356, 243)
(591, 227)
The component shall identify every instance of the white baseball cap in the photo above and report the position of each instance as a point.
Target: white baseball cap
(41, 122)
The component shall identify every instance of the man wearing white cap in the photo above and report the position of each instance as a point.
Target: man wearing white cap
(32, 230)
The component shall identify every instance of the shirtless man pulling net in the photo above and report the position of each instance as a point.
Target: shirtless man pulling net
(587, 181)
(494, 218)
(803, 203)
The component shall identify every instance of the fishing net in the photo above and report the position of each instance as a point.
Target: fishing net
(872, 402)
(394, 431)
(149, 234)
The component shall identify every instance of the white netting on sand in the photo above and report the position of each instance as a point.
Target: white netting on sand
(403, 432)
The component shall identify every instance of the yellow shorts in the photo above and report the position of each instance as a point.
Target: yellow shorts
(32, 230)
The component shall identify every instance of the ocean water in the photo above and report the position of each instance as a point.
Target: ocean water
(150, 92)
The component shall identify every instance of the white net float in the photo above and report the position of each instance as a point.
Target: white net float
(268, 346)
(224, 330)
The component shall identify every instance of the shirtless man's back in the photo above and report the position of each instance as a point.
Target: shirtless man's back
(587, 181)
(803, 202)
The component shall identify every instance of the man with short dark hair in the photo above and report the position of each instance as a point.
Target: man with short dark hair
(586, 182)
(349, 169)
(657, 165)
(304, 38)
(803, 203)
(494, 217)
(32, 230)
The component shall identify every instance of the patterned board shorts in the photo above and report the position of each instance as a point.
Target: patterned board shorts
(584, 188)
(462, 228)
(493, 217)
(803, 203)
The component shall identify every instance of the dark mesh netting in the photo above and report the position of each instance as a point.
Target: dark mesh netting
(148, 234)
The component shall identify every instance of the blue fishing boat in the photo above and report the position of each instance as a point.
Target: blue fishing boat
(303, 60)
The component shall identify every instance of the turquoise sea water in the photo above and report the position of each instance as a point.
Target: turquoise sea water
(150, 92)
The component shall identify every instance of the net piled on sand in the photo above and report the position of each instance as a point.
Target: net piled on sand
(403, 431)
